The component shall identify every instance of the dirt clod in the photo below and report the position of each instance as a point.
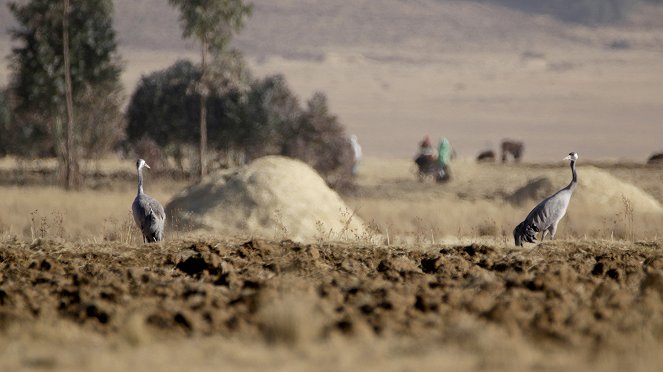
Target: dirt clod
(569, 294)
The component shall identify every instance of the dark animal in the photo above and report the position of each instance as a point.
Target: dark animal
(656, 158)
(547, 214)
(486, 156)
(513, 148)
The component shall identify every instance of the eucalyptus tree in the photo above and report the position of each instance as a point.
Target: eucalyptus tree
(65, 60)
(212, 23)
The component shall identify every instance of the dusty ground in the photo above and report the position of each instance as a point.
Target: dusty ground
(561, 306)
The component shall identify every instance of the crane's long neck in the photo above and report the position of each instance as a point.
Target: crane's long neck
(140, 180)
(574, 180)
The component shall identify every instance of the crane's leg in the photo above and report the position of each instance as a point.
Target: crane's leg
(543, 234)
(553, 231)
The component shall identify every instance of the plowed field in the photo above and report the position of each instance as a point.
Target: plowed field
(282, 305)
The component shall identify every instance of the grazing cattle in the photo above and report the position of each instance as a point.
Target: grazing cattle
(486, 156)
(656, 158)
(514, 148)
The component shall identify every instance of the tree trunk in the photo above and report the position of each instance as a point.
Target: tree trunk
(203, 110)
(70, 161)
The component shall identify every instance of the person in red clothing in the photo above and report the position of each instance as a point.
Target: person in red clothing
(426, 148)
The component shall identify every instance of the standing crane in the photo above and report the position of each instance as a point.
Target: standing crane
(148, 212)
(547, 214)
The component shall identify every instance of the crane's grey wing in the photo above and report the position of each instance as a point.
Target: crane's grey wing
(149, 216)
(157, 208)
(549, 211)
(138, 211)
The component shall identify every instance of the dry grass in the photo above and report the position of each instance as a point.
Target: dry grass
(31, 212)
(473, 204)
(396, 208)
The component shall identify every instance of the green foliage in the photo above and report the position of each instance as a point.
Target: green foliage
(165, 107)
(265, 118)
(37, 78)
(269, 111)
(37, 64)
(162, 109)
(212, 21)
(6, 122)
(320, 140)
(21, 135)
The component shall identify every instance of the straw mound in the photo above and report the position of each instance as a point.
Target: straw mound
(597, 191)
(274, 197)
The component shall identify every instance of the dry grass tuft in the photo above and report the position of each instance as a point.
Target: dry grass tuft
(49, 212)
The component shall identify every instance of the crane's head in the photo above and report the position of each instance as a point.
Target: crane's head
(140, 163)
(573, 156)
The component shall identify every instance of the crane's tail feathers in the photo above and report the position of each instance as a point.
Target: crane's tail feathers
(152, 229)
(525, 232)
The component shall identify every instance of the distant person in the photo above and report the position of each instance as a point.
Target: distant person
(444, 155)
(426, 148)
(426, 159)
(356, 150)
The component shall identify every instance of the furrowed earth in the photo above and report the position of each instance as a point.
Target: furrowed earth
(434, 281)
(258, 304)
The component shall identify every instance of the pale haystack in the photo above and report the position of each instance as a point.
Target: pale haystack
(274, 197)
(598, 193)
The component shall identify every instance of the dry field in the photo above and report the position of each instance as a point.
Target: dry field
(438, 284)
(614, 201)
(478, 202)
(444, 289)
(210, 304)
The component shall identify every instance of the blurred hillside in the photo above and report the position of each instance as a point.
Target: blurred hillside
(307, 27)
(396, 70)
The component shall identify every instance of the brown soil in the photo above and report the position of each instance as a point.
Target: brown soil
(583, 297)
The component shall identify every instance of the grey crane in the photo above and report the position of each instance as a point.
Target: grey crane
(148, 212)
(547, 214)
